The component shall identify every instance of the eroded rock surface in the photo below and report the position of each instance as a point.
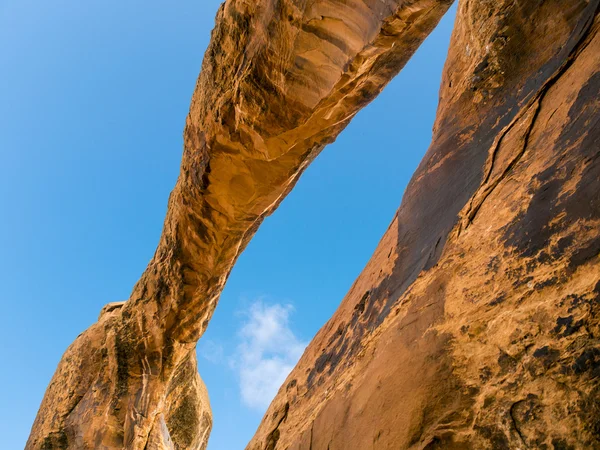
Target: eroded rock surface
(280, 80)
(476, 324)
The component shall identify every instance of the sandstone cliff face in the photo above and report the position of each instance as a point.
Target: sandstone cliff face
(280, 80)
(476, 324)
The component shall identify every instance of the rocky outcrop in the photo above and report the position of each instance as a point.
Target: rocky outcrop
(476, 324)
(280, 80)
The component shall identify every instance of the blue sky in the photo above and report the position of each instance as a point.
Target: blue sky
(93, 100)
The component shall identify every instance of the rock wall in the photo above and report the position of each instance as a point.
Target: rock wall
(476, 324)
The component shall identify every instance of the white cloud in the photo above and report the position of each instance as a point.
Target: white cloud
(211, 351)
(267, 352)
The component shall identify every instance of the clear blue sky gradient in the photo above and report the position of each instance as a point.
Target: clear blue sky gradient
(93, 100)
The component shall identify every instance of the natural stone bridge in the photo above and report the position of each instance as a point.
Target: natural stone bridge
(476, 322)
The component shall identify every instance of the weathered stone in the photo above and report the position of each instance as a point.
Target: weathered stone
(476, 323)
(280, 80)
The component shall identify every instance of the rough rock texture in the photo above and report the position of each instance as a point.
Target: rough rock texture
(280, 80)
(476, 324)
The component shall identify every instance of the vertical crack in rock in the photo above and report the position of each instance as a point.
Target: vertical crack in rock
(579, 40)
(514, 422)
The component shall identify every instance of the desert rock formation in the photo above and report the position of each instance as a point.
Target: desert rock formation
(475, 324)
(280, 80)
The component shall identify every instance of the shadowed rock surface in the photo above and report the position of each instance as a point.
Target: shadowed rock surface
(476, 324)
(280, 80)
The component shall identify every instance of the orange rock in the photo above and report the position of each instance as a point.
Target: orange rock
(280, 80)
(476, 323)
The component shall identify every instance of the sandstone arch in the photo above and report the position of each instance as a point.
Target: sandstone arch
(484, 289)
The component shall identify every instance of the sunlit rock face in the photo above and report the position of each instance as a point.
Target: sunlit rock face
(476, 324)
(95, 368)
(280, 80)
